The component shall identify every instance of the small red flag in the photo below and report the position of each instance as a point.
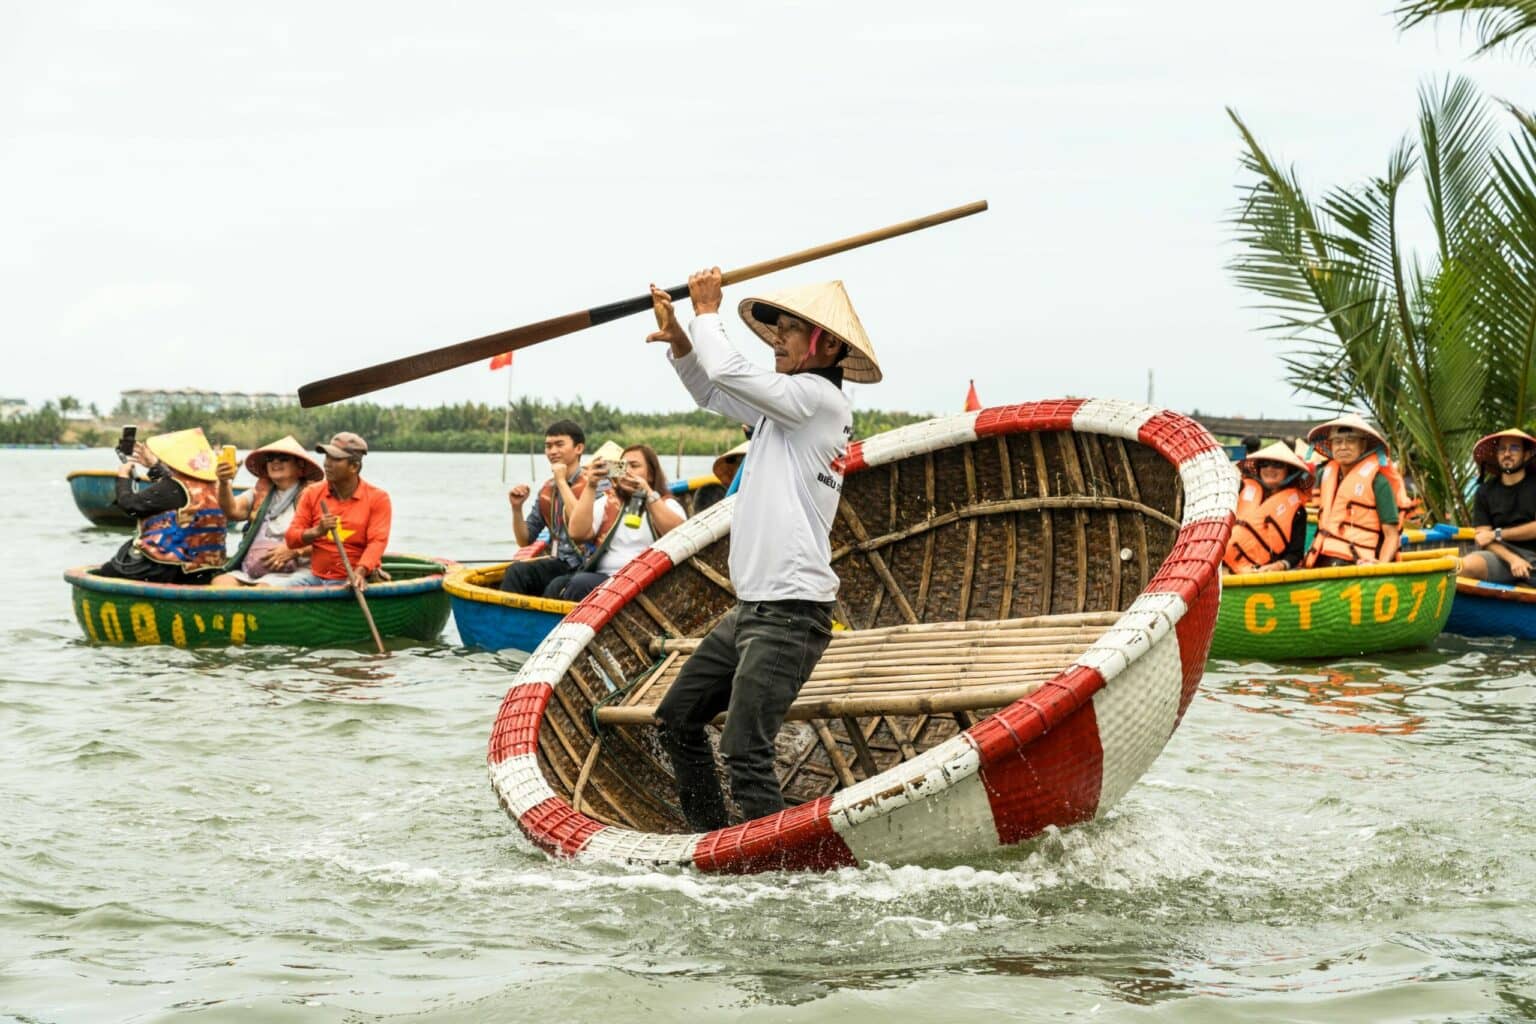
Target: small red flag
(505, 359)
(972, 403)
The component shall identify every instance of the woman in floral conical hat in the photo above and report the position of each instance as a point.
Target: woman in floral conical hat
(181, 529)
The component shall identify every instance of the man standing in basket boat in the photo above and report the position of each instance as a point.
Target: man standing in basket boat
(356, 509)
(1360, 493)
(1504, 510)
(1270, 534)
(754, 662)
(564, 442)
(181, 529)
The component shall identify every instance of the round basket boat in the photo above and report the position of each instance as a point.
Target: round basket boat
(1482, 608)
(1346, 610)
(129, 614)
(492, 620)
(1028, 594)
(95, 494)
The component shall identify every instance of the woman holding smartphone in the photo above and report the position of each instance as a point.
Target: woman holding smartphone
(646, 511)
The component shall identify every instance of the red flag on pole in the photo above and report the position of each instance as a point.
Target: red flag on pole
(972, 403)
(505, 359)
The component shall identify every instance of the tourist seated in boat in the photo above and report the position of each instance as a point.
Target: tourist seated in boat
(635, 512)
(282, 470)
(754, 661)
(724, 469)
(1359, 493)
(1270, 534)
(180, 531)
(1504, 509)
(564, 443)
(347, 505)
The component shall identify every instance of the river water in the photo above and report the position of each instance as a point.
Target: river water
(277, 835)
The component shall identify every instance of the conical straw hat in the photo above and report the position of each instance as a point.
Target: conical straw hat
(1484, 452)
(826, 306)
(185, 451)
(726, 465)
(256, 461)
(1278, 452)
(1317, 437)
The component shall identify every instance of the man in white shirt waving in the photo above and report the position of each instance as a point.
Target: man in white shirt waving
(754, 662)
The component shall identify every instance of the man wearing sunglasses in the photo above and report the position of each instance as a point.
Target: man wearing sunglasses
(1504, 510)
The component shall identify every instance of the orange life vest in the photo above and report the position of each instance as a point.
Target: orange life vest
(1348, 522)
(1263, 527)
(191, 536)
(552, 508)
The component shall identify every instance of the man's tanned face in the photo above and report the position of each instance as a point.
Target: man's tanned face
(561, 448)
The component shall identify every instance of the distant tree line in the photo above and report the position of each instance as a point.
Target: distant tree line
(477, 427)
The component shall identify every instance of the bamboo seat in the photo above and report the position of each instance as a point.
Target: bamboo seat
(921, 669)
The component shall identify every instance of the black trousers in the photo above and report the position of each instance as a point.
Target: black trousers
(750, 666)
(537, 577)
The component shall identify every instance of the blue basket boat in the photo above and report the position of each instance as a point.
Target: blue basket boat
(95, 494)
(1481, 608)
(495, 621)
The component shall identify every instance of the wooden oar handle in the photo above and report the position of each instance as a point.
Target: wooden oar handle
(424, 364)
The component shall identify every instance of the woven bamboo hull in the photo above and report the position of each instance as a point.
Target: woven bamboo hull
(1317, 613)
(1492, 609)
(493, 621)
(123, 613)
(95, 494)
(1039, 510)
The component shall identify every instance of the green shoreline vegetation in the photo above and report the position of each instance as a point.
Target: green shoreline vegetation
(465, 427)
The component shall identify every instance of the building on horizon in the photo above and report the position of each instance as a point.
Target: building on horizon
(10, 408)
(154, 403)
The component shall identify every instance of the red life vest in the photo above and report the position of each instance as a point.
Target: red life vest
(1263, 527)
(191, 536)
(1348, 522)
(552, 508)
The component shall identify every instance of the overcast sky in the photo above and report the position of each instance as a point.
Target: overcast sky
(249, 197)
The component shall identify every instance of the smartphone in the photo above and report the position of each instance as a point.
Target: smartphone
(126, 442)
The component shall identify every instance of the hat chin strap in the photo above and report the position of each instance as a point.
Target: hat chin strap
(811, 350)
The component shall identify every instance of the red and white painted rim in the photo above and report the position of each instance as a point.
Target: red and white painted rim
(1062, 755)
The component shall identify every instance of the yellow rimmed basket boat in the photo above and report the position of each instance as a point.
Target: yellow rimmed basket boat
(1028, 594)
(492, 620)
(125, 613)
(1347, 610)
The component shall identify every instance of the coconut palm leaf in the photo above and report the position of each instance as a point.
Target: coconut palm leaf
(1439, 348)
(1506, 269)
(1512, 22)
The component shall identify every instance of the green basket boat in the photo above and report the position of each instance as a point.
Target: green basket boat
(124, 613)
(1349, 610)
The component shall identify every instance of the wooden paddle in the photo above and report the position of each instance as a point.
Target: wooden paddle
(346, 563)
(424, 364)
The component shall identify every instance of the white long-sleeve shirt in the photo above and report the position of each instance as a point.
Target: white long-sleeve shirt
(792, 477)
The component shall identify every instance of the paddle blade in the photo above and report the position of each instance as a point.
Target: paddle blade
(449, 357)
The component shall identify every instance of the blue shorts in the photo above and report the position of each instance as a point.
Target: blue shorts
(307, 578)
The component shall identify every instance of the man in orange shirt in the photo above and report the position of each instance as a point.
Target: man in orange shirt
(361, 510)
